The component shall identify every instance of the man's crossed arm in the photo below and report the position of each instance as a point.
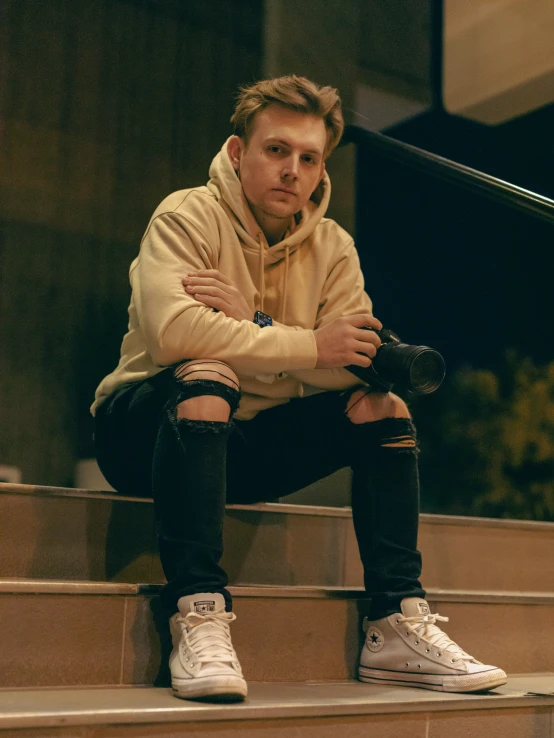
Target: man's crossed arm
(339, 343)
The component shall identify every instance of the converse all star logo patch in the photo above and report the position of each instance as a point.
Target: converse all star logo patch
(204, 606)
(375, 640)
(423, 608)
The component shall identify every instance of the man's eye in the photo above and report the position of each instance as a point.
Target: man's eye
(275, 149)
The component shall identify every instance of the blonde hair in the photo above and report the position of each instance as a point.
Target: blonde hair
(296, 93)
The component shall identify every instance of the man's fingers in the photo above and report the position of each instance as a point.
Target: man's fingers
(213, 274)
(204, 279)
(366, 347)
(366, 337)
(364, 319)
(360, 360)
(202, 282)
(212, 301)
(196, 290)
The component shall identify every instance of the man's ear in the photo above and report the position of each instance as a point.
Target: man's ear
(234, 149)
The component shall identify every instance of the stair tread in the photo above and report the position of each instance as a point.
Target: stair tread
(118, 705)
(22, 585)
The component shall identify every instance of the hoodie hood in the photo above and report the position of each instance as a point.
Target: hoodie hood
(226, 187)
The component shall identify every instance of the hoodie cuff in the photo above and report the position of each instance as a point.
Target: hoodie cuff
(302, 350)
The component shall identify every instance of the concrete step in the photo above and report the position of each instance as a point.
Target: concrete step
(91, 633)
(65, 533)
(524, 708)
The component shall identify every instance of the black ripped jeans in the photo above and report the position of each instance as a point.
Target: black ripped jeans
(193, 468)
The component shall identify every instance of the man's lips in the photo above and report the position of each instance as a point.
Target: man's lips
(284, 189)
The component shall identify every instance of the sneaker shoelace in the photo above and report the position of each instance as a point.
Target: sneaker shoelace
(208, 635)
(426, 630)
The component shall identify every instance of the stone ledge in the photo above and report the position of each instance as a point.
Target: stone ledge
(115, 706)
(51, 586)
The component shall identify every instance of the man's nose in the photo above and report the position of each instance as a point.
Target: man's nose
(290, 167)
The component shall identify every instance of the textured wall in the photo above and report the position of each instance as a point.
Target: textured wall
(105, 107)
(396, 47)
(320, 40)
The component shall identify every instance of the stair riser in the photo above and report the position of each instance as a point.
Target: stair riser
(57, 640)
(107, 540)
(512, 723)
(473, 557)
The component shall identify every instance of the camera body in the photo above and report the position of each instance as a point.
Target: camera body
(418, 369)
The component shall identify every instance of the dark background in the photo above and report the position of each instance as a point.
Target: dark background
(450, 268)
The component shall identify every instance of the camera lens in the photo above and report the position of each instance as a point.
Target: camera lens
(426, 371)
(419, 369)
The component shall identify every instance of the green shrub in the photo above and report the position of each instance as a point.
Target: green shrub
(487, 442)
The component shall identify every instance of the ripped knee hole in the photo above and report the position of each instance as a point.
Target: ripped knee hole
(208, 387)
(400, 442)
(182, 372)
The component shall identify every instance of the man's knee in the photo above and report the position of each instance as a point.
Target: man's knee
(388, 418)
(365, 406)
(210, 390)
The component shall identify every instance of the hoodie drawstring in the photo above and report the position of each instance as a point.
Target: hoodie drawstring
(262, 279)
(261, 272)
(284, 300)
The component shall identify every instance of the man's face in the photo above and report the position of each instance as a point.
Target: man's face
(282, 163)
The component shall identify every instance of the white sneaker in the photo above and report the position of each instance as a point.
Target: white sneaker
(409, 649)
(203, 662)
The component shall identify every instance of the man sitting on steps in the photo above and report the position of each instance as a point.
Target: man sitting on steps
(244, 294)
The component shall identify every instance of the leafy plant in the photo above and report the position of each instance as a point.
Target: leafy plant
(487, 442)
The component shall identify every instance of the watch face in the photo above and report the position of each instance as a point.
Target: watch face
(262, 319)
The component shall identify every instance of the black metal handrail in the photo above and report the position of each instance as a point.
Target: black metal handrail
(497, 189)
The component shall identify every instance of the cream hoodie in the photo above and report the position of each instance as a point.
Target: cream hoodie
(305, 281)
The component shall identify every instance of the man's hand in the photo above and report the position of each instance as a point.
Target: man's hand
(343, 342)
(216, 290)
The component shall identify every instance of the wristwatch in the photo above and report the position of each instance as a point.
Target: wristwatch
(262, 319)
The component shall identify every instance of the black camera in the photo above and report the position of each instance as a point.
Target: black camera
(419, 369)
